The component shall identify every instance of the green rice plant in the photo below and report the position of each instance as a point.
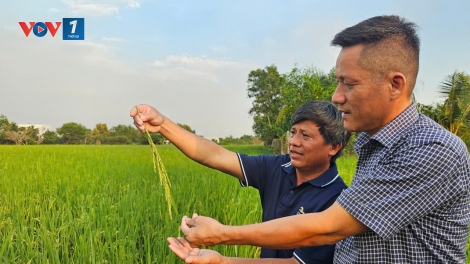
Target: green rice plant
(98, 204)
(157, 163)
(347, 168)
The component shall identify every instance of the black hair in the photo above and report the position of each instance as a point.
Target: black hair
(325, 115)
(390, 44)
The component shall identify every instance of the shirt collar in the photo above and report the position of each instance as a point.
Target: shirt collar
(390, 133)
(327, 178)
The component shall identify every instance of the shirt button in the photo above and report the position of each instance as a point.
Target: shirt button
(291, 192)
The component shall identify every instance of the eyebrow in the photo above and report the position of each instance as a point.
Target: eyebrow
(339, 77)
(305, 131)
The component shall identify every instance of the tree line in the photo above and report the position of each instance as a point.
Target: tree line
(276, 96)
(74, 133)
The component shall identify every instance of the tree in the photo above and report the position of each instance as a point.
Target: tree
(434, 111)
(454, 113)
(300, 86)
(72, 133)
(456, 109)
(101, 129)
(17, 137)
(129, 132)
(99, 133)
(187, 128)
(264, 86)
(157, 138)
(21, 135)
(4, 124)
(50, 137)
(33, 136)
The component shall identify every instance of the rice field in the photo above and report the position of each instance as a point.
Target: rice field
(104, 204)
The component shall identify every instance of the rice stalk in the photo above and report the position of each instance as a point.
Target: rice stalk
(158, 164)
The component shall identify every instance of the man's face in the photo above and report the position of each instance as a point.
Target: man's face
(307, 148)
(363, 102)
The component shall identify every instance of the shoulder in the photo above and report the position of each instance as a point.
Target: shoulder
(268, 160)
(425, 132)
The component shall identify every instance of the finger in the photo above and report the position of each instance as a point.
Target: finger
(190, 222)
(191, 260)
(184, 243)
(182, 254)
(140, 127)
(195, 215)
(138, 121)
(173, 241)
(200, 260)
(133, 112)
(144, 117)
(184, 226)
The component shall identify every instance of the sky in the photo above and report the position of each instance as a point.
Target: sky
(191, 59)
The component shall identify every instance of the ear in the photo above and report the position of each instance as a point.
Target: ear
(398, 85)
(334, 149)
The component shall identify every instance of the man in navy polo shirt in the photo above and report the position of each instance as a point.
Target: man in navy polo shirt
(304, 181)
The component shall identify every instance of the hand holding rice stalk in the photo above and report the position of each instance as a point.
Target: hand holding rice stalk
(158, 163)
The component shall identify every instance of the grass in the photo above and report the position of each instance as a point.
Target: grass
(105, 204)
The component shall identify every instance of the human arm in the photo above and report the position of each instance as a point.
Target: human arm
(313, 229)
(184, 251)
(195, 147)
(384, 200)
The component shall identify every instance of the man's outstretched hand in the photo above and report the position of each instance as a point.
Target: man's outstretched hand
(147, 117)
(184, 251)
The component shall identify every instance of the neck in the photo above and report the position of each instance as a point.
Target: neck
(399, 107)
(395, 110)
(307, 175)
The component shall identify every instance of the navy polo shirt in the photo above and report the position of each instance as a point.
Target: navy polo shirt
(275, 178)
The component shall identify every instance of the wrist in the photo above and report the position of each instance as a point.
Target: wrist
(230, 235)
(224, 235)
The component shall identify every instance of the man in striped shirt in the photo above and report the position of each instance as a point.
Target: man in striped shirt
(409, 201)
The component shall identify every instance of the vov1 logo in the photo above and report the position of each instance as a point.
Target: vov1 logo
(72, 28)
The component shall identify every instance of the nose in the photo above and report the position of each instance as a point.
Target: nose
(294, 140)
(338, 96)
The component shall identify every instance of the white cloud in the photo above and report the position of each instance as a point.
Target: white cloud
(158, 64)
(113, 39)
(220, 50)
(54, 10)
(98, 8)
(10, 28)
(132, 3)
(228, 74)
(305, 44)
(196, 62)
(91, 9)
(207, 94)
(83, 82)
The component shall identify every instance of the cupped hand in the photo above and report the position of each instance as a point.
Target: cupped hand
(184, 251)
(147, 117)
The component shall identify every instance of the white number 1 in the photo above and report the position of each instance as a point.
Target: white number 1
(74, 25)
